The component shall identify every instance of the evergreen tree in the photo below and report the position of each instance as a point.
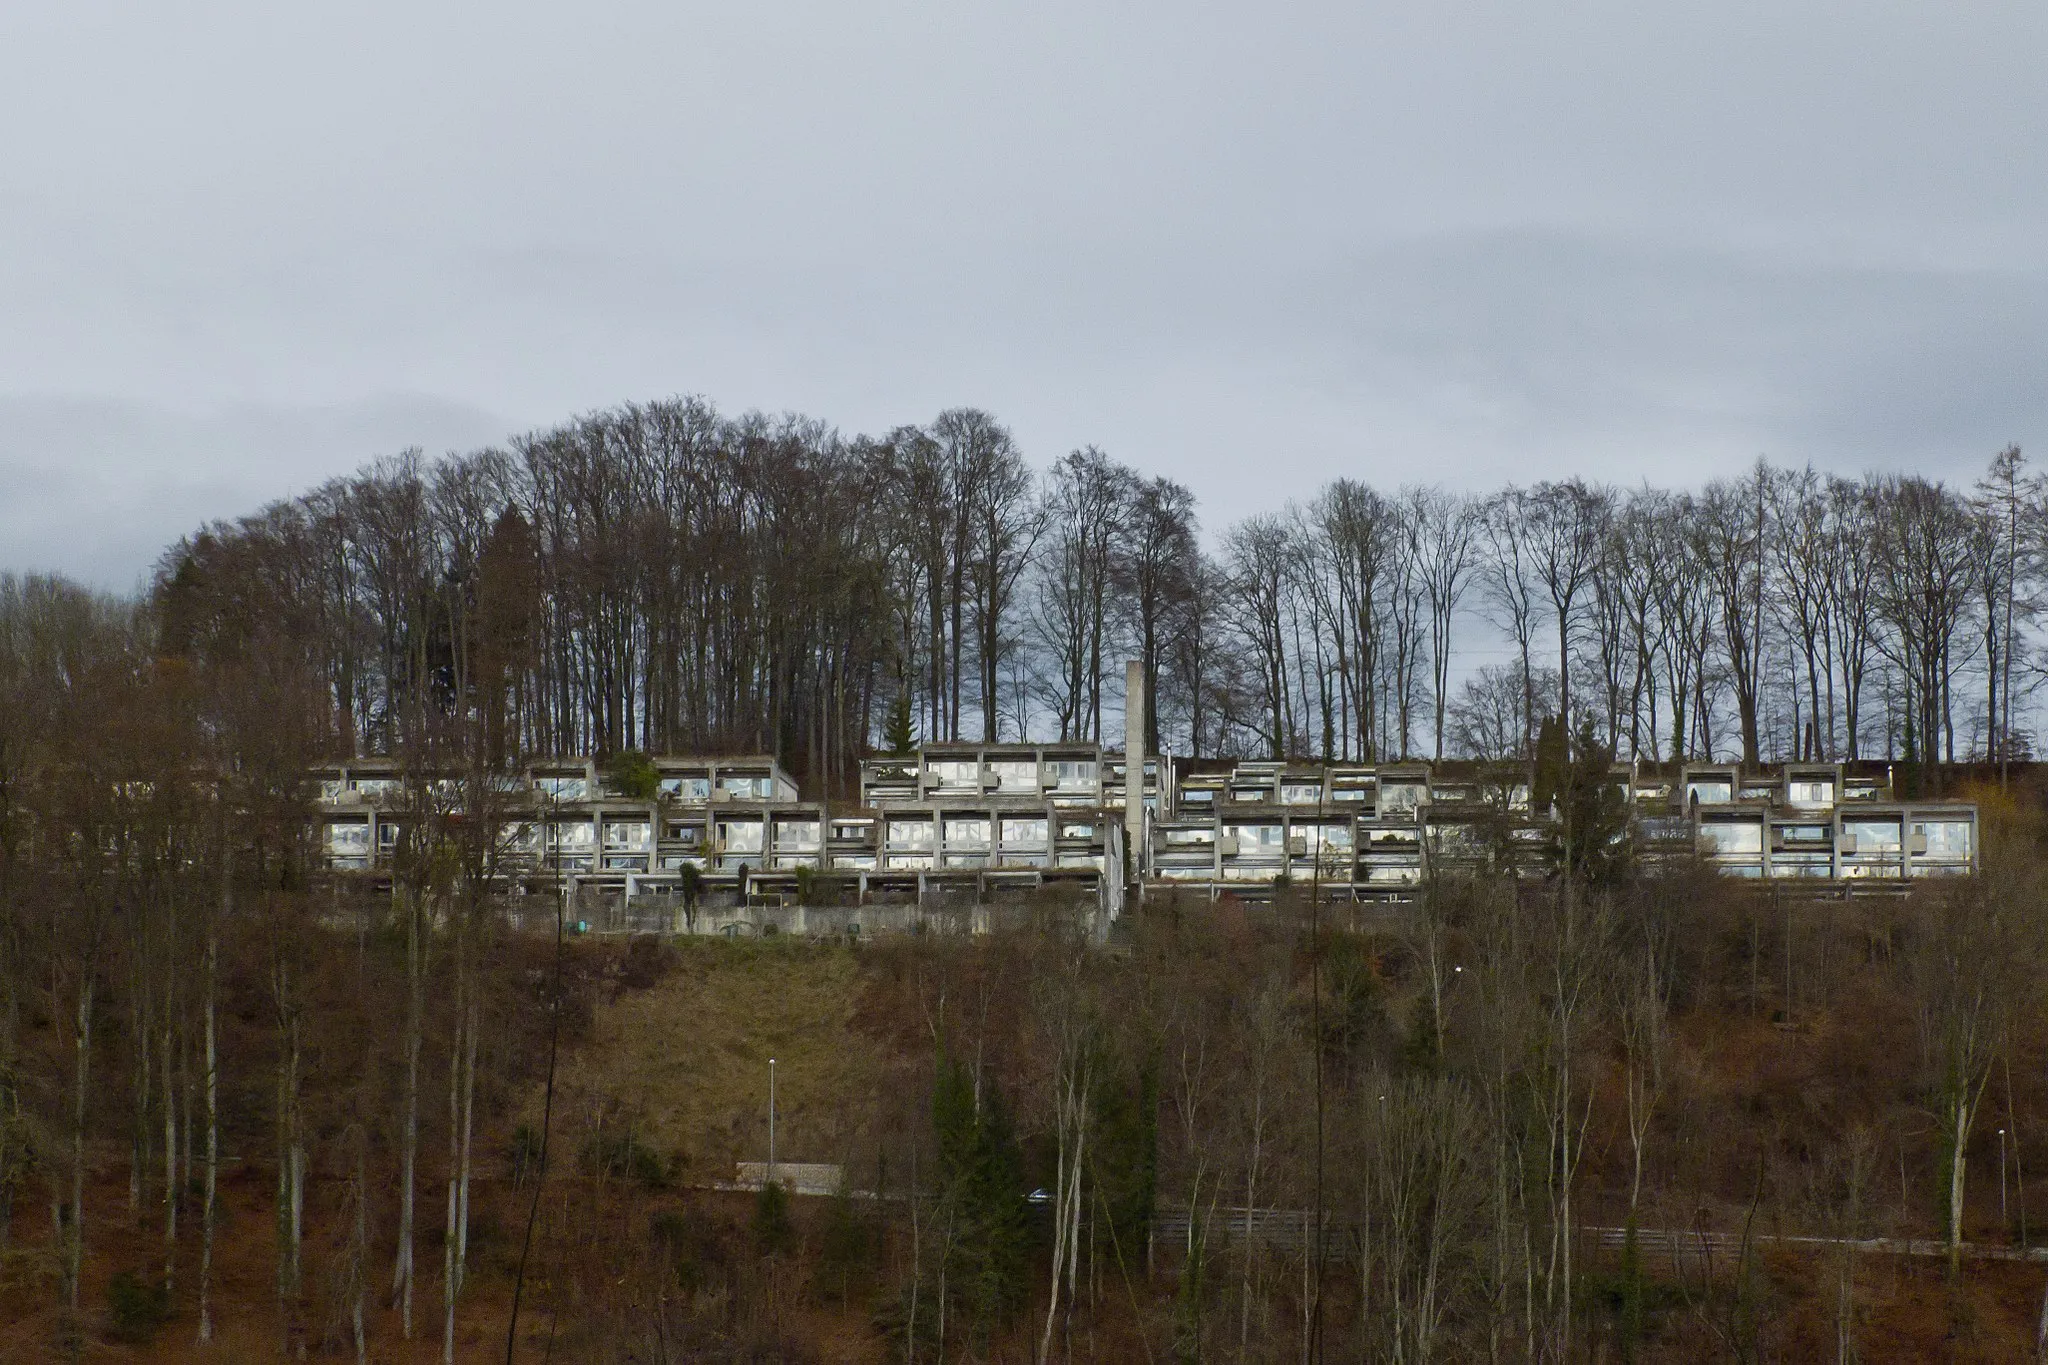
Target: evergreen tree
(897, 733)
(1123, 1167)
(1591, 835)
(981, 1193)
(774, 1234)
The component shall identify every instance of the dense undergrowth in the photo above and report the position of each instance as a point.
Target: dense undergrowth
(1452, 1085)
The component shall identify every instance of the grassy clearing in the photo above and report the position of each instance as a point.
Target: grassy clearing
(684, 1061)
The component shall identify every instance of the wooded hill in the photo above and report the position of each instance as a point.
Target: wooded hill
(245, 1111)
(665, 578)
(248, 1113)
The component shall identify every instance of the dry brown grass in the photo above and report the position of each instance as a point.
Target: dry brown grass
(685, 1061)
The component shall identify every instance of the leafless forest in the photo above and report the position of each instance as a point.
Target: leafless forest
(246, 1111)
(666, 579)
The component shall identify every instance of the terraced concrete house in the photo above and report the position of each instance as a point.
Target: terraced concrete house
(973, 825)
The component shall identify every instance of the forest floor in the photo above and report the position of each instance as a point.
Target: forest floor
(684, 1061)
(674, 1055)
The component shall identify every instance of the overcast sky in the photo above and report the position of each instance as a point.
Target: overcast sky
(244, 247)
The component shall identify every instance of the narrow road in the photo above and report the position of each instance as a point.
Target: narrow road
(1291, 1230)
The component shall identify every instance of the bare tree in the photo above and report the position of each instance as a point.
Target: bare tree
(1260, 554)
(1925, 588)
(1087, 514)
(1642, 1011)
(1428, 1195)
(1564, 528)
(1685, 617)
(1729, 529)
(1801, 547)
(1975, 955)
(1359, 536)
(1634, 588)
(1852, 595)
(1512, 587)
(1156, 571)
(1446, 530)
(2004, 497)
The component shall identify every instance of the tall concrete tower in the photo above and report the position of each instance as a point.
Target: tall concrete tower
(1134, 763)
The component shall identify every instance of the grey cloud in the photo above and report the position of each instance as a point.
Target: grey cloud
(1254, 246)
(97, 488)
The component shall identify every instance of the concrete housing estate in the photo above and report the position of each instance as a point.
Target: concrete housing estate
(970, 825)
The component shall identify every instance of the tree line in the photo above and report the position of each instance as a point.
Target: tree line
(196, 1027)
(666, 578)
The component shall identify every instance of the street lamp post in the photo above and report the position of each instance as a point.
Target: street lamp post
(771, 1122)
(2001, 1176)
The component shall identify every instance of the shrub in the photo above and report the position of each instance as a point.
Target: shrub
(623, 1156)
(135, 1307)
(692, 1244)
(525, 1155)
(645, 962)
(845, 1251)
(773, 1232)
(633, 775)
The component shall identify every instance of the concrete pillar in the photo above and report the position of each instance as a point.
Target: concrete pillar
(1134, 765)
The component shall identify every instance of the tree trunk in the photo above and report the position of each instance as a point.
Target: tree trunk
(291, 1162)
(461, 1104)
(142, 1020)
(359, 1242)
(402, 1270)
(171, 1190)
(1956, 1164)
(74, 1246)
(212, 1081)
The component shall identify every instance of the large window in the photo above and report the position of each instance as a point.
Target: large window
(969, 831)
(798, 835)
(349, 839)
(1015, 775)
(1869, 837)
(911, 833)
(630, 835)
(1401, 798)
(1023, 832)
(1456, 840)
(739, 836)
(1733, 837)
(1259, 840)
(1710, 791)
(963, 773)
(1072, 774)
(563, 788)
(1316, 838)
(1945, 838)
